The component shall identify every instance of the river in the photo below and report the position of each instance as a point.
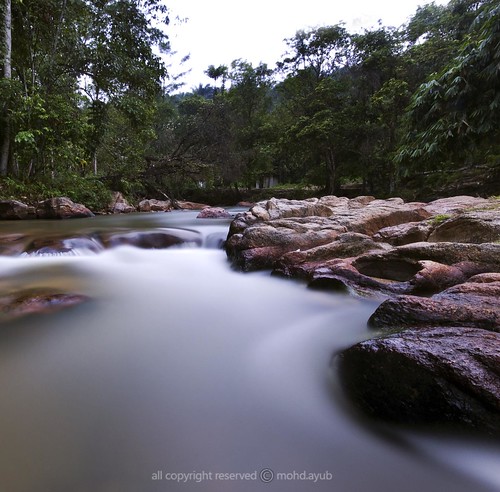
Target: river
(182, 374)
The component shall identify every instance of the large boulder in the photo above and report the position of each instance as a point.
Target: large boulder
(153, 205)
(119, 205)
(481, 226)
(16, 210)
(61, 208)
(429, 376)
(471, 304)
(259, 237)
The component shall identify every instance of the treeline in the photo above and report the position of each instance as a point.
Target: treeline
(388, 109)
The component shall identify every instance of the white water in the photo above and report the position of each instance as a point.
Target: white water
(181, 365)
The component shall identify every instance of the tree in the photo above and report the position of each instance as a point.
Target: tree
(455, 114)
(7, 76)
(317, 100)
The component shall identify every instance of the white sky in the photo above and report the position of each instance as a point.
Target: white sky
(217, 32)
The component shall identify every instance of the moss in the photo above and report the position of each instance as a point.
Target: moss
(439, 219)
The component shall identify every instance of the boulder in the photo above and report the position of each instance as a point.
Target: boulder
(156, 239)
(153, 205)
(183, 205)
(61, 208)
(15, 210)
(476, 227)
(213, 213)
(274, 227)
(411, 232)
(119, 205)
(472, 258)
(471, 304)
(439, 376)
(345, 245)
(456, 204)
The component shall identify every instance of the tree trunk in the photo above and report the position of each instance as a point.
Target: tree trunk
(7, 74)
(331, 169)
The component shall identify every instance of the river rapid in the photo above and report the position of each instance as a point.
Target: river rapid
(181, 374)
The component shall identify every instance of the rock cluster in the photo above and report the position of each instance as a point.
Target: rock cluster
(436, 359)
(53, 208)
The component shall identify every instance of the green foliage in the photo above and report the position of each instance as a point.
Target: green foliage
(378, 108)
(455, 115)
(89, 191)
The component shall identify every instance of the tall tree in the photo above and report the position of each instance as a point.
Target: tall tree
(7, 75)
(455, 114)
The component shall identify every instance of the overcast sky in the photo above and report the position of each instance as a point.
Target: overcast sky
(216, 32)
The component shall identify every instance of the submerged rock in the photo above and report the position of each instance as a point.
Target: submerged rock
(430, 376)
(12, 244)
(63, 246)
(155, 239)
(37, 301)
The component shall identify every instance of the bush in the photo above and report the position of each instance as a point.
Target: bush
(88, 191)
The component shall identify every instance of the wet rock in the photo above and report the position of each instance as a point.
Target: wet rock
(153, 205)
(156, 239)
(12, 244)
(412, 232)
(470, 227)
(191, 205)
(213, 213)
(471, 304)
(456, 204)
(37, 301)
(119, 205)
(345, 245)
(473, 258)
(15, 210)
(63, 246)
(61, 208)
(261, 246)
(281, 226)
(434, 277)
(428, 376)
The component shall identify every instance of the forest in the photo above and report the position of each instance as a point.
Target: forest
(88, 105)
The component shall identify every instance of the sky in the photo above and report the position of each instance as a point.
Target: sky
(216, 32)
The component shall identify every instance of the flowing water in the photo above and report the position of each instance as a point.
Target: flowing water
(183, 375)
